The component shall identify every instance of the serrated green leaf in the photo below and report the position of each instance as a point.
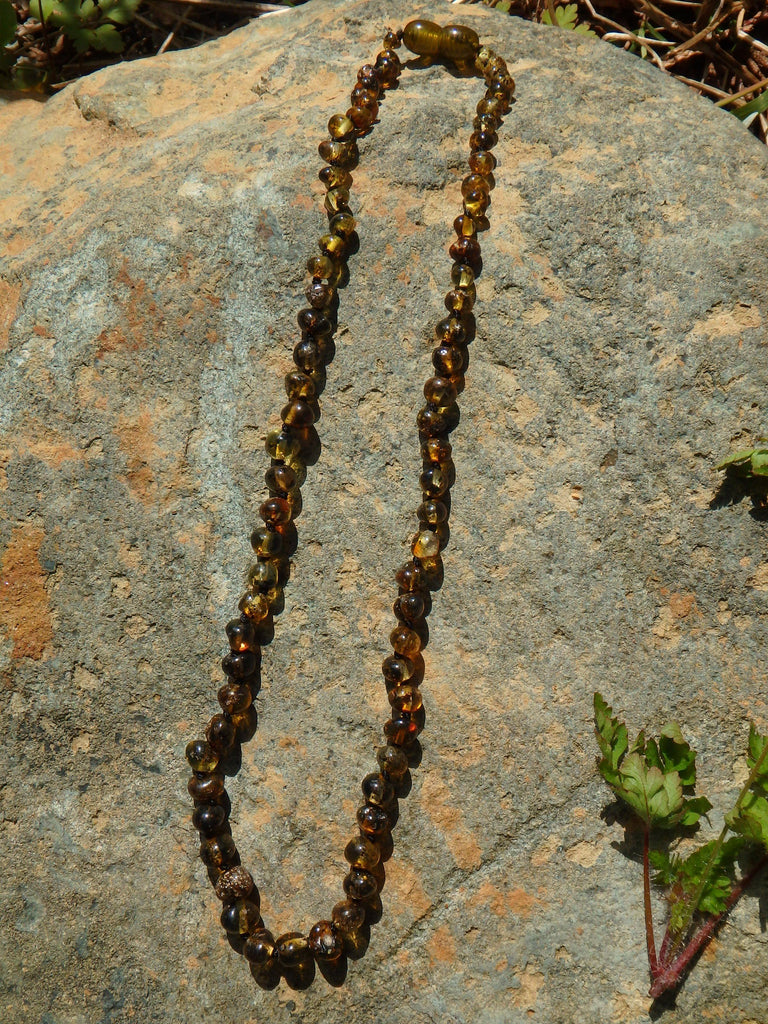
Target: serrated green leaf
(698, 873)
(693, 809)
(106, 37)
(565, 17)
(756, 750)
(743, 457)
(752, 819)
(8, 23)
(666, 866)
(760, 463)
(611, 737)
(676, 754)
(119, 11)
(656, 798)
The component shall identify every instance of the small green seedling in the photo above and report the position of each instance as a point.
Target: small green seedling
(566, 17)
(655, 780)
(749, 463)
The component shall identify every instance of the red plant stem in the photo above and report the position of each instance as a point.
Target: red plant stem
(649, 938)
(669, 975)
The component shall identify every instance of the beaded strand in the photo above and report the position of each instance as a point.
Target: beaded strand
(328, 943)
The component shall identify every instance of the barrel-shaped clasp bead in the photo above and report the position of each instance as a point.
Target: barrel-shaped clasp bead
(457, 42)
(423, 38)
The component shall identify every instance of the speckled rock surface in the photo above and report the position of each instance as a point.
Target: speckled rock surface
(155, 222)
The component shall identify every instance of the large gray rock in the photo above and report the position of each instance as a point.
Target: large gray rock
(156, 219)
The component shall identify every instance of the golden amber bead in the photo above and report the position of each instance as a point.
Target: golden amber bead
(336, 200)
(341, 154)
(283, 480)
(368, 98)
(406, 642)
(255, 606)
(400, 730)
(235, 884)
(392, 40)
(396, 669)
(201, 756)
(361, 117)
(281, 445)
(234, 698)
(425, 545)
(333, 245)
(348, 916)
(440, 392)
(324, 941)
(360, 884)
(448, 360)
(340, 127)
(434, 481)
(262, 576)
(368, 78)
(432, 512)
(483, 139)
(476, 203)
(377, 790)
(409, 607)
(241, 917)
(423, 37)
(436, 449)
(292, 948)
(482, 162)
(361, 852)
(408, 577)
(450, 329)
(259, 947)
(297, 414)
(465, 250)
(431, 422)
(335, 177)
(393, 762)
(457, 42)
(342, 224)
(239, 633)
(275, 511)
(405, 698)
(299, 385)
(321, 267)
(463, 277)
(374, 821)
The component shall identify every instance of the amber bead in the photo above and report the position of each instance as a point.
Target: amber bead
(240, 634)
(239, 664)
(362, 97)
(340, 127)
(431, 422)
(409, 607)
(368, 78)
(463, 277)
(309, 357)
(361, 117)
(209, 818)
(483, 139)
(259, 947)
(409, 577)
(282, 445)
(235, 884)
(337, 200)
(458, 301)
(255, 606)
(457, 42)
(360, 884)
(297, 414)
(450, 331)
(319, 294)
(342, 224)
(448, 360)
(324, 941)
(377, 790)
(482, 162)
(393, 762)
(374, 821)
(405, 641)
(396, 670)
(439, 392)
(476, 203)
(201, 756)
(292, 948)
(434, 481)
(392, 40)
(348, 916)
(405, 698)
(283, 479)
(389, 69)
(343, 154)
(299, 385)
(465, 250)
(240, 917)
(220, 732)
(432, 512)
(205, 787)
(423, 37)
(313, 323)
(218, 852)
(335, 177)
(436, 449)
(234, 699)
(400, 730)
(361, 852)
(333, 246)
(425, 544)
(321, 268)
(275, 511)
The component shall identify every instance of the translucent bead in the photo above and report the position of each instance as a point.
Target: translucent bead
(240, 634)
(409, 577)
(336, 200)
(324, 941)
(405, 698)
(464, 226)
(340, 127)
(255, 606)
(348, 916)
(483, 139)
(360, 884)
(457, 42)
(476, 203)
(201, 756)
(440, 392)
(423, 37)
(333, 246)
(239, 664)
(361, 117)
(482, 162)
(448, 360)
(240, 917)
(393, 762)
(281, 445)
(431, 422)
(450, 330)
(234, 698)
(335, 177)
(259, 947)
(489, 105)
(389, 68)
(313, 323)
(401, 730)
(463, 277)
(308, 356)
(297, 414)
(436, 449)
(342, 224)
(361, 97)
(275, 511)
(206, 787)
(319, 294)
(282, 479)
(391, 40)
(432, 512)
(291, 948)
(377, 790)
(457, 301)
(235, 884)
(220, 732)
(374, 821)
(368, 78)
(219, 852)
(465, 250)
(406, 642)
(321, 267)
(434, 481)
(262, 576)
(485, 123)
(342, 154)
(209, 819)
(409, 607)
(361, 852)
(299, 385)
(425, 545)
(396, 670)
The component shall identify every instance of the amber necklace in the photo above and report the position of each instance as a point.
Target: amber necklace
(328, 944)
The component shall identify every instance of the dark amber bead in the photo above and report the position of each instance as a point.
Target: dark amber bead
(218, 852)
(205, 787)
(361, 97)
(239, 664)
(292, 948)
(436, 449)
(457, 42)
(209, 819)
(368, 78)
(401, 730)
(388, 69)
(340, 127)
(376, 790)
(423, 37)
(275, 511)
(448, 360)
(335, 177)
(450, 331)
(240, 634)
(297, 414)
(201, 756)
(348, 916)
(483, 139)
(374, 821)
(240, 917)
(361, 117)
(439, 392)
(393, 762)
(324, 941)
(342, 224)
(308, 356)
(432, 512)
(409, 577)
(319, 294)
(343, 154)
(360, 884)
(234, 699)
(396, 670)
(431, 422)
(282, 479)
(313, 323)
(235, 884)
(259, 947)
(405, 641)
(434, 481)
(482, 162)
(465, 250)
(409, 607)
(299, 385)
(221, 732)
(361, 852)
(405, 698)
(337, 200)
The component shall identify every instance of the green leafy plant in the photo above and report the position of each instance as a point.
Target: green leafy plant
(90, 25)
(566, 17)
(655, 780)
(749, 463)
